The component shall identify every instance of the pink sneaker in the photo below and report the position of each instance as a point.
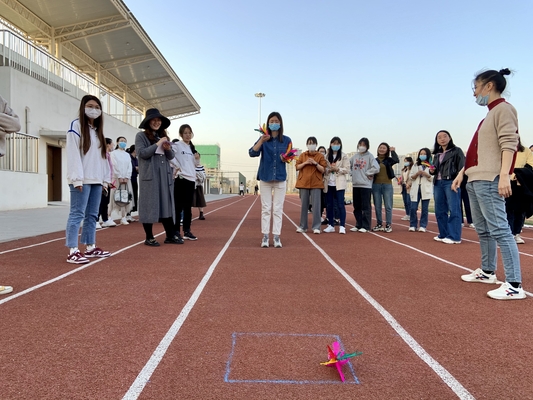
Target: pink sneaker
(77, 258)
(97, 253)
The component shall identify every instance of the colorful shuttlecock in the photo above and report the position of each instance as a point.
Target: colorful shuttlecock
(290, 154)
(262, 130)
(337, 358)
(426, 164)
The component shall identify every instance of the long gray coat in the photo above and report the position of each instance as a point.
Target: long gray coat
(156, 184)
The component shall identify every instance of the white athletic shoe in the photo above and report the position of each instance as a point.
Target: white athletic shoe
(507, 292)
(329, 229)
(342, 230)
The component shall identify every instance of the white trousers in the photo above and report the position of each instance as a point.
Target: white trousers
(272, 198)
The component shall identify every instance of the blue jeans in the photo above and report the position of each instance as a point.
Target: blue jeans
(406, 197)
(84, 207)
(383, 191)
(335, 197)
(413, 222)
(448, 210)
(488, 214)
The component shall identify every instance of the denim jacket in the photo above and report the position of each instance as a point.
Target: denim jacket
(271, 167)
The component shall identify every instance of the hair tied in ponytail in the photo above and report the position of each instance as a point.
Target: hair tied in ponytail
(504, 71)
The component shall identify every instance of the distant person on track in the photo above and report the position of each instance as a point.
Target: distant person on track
(406, 186)
(134, 181)
(489, 163)
(185, 182)
(156, 186)
(87, 171)
(448, 160)
(241, 189)
(310, 166)
(519, 203)
(421, 190)
(272, 176)
(9, 123)
(337, 169)
(382, 190)
(364, 166)
(103, 209)
(122, 168)
(199, 198)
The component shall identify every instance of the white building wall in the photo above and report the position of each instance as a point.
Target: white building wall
(41, 107)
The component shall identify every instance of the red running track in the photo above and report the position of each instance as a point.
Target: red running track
(222, 318)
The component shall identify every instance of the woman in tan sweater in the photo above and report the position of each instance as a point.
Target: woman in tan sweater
(489, 163)
(310, 165)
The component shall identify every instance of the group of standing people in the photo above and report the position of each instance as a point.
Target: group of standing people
(488, 163)
(168, 172)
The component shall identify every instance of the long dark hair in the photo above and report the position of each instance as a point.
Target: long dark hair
(330, 151)
(437, 147)
(181, 130)
(98, 124)
(280, 130)
(410, 160)
(428, 154)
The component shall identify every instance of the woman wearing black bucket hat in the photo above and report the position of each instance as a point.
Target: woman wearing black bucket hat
(156, 186)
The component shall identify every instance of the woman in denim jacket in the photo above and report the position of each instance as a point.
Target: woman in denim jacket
(272, 176)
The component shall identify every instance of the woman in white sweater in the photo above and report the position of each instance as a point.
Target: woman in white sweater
(122, 168)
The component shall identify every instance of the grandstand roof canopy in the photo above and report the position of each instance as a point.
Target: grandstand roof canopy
(104, 40)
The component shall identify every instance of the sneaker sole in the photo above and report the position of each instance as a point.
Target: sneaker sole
(185, 237)
(78, 261)
(100, 256)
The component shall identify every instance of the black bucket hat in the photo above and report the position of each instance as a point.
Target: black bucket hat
(151, 114)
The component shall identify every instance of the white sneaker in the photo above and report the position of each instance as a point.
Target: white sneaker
(316, 231)
(518, 239)
(479, 276)
(300, 230)
(450, 241)
(363, 230)
(129, 218)
(98, 226)
(507, 292)
(438, 239)
(264, 241)
(354, 229)
(421, 229)
(329, 229)
(342, 230)
(472, 226)
(406, 218)
(411, 229)
(124, 222)
(109, 223)
(5, 289)
(277, 242)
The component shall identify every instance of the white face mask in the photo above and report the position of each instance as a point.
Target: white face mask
(93, 113)
(361, 149)
(311, 147)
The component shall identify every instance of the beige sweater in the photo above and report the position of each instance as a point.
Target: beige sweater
(498, 132)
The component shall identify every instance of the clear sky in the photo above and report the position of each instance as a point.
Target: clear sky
(393, 71)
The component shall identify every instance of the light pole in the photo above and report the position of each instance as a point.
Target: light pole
(260, 96)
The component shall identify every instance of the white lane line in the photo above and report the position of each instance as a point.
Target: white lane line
(101, 230)
(144, 376)
(58, 278)
(441, 372)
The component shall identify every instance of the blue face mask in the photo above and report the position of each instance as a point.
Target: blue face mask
(406, 164)
(274, 127)
(335, 147)
(423, 157)
(482, 100)
(123, 145)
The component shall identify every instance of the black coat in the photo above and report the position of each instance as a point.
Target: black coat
(524, 176)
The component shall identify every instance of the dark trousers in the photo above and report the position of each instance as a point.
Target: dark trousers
(362, 207)
(168, 224)
(104, 203)
(135, 187)
(183, 196)
(515, 215)
(465, 205)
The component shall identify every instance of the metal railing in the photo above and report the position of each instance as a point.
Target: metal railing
(22, 153)
(22, 55)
